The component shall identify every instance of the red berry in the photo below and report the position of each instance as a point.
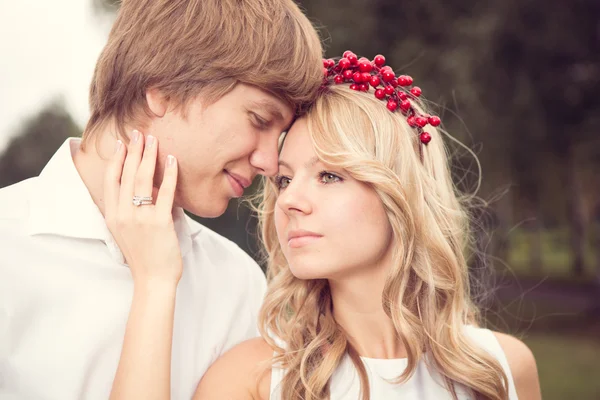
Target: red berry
(338, 79)
(354, 86)
(344, 63)
(416, 91)
(363, 59)
(347, 74)
(389, 90)
(388, 75)
(411, 121)
(380, 94)
(325, 71)
(425, 137)
(402, 95)
(366, 77)
(403, 80)
(364, 87)
(379, 60)
(387, 67)
(352, 58)
(394, 83)
(421, 121)
(357, 77)
(375, 81)
(365, 66)
(392, 105)
(347, 53)
(325, 63)
(405, 105)
(435, 121)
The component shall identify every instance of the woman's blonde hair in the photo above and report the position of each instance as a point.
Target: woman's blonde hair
(185, 48)
(426, 294)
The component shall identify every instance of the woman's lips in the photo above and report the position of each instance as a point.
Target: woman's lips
(302, 241)
(302, 238)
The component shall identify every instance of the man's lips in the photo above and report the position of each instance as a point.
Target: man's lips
(244, 182)
(238, 183)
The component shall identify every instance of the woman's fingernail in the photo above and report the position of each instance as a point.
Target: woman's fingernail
(118, 146)
(170, 161)
(149, 141)
(136, 136)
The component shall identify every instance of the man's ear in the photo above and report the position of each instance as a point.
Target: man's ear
(157, 102)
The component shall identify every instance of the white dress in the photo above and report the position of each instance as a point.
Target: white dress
(425, 384)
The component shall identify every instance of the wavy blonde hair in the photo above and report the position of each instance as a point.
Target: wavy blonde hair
(426, 294)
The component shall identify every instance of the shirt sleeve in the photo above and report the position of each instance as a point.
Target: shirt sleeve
(257, 294)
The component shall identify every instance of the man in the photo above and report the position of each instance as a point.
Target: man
(215, 82)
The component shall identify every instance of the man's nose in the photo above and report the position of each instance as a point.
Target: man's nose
(266, 156)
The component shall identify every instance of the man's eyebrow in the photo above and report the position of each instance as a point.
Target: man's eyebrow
(270, 107)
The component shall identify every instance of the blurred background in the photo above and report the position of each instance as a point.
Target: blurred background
(517, 81)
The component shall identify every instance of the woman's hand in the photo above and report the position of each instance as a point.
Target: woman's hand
(145, 233)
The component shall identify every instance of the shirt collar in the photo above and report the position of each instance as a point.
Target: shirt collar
(62, 205)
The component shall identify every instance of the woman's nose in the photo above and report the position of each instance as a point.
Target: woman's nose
(295, 198)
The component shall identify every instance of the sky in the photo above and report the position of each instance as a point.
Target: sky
(49, 49)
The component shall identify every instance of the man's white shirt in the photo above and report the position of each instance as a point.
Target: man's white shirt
(65, 292)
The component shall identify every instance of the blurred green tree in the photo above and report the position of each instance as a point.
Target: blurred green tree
(103, 7)
(35, 143)
(545, 73)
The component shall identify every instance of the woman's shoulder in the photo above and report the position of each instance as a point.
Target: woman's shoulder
(522, 366)
(514, 356)
(243, 373)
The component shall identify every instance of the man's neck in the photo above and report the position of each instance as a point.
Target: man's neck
(92, 163)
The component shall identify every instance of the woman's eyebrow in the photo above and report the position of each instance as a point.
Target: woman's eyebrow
(309, 164)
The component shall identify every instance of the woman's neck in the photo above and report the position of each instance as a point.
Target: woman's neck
(358, 309)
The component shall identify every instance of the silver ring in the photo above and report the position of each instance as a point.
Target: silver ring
(142, 200)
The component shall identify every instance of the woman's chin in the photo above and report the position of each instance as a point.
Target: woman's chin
(308, 272)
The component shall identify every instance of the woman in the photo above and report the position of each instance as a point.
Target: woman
(368, 284)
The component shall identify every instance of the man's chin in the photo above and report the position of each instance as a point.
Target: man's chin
(212, 210)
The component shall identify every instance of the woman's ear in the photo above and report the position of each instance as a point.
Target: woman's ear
(157, 102)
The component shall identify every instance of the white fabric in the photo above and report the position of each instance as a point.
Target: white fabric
(65, 293)
(425, 384)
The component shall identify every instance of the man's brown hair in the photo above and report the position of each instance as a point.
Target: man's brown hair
(189, 47)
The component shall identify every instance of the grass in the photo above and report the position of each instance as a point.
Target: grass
(569, 367)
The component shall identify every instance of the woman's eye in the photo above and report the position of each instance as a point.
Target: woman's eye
(281, 182)
(327, 177)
